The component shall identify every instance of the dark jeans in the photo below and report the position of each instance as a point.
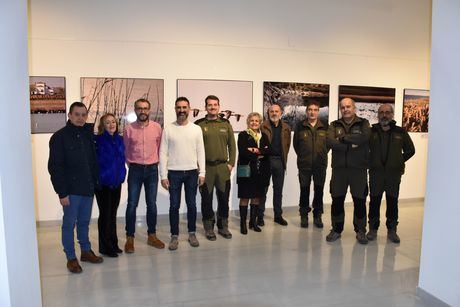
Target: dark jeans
(108, 200)
(190, 181)
(78, 212)
(139, 175)
(222, 202)
(277, 172)
(391, 212)
(319, 177)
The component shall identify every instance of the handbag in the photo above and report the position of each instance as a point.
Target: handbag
(243, 171)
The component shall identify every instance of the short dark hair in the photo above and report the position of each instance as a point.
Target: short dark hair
(101, 128)
(77, 104)
(182, 98)
(141, 100)
(313, 103)
(211, 97)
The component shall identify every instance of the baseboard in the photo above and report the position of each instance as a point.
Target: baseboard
(407, 202)
(429, 298)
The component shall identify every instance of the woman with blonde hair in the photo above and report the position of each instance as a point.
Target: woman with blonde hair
(253, 170)
(110, 152)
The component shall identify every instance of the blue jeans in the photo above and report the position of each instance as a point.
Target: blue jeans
(190, 181)
(148, 176)
(77, 212)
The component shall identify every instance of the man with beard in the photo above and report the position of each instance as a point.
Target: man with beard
(182, 162)
(348, 137)
(390, 147)
(74, 174)
(279, 135)
(142, 143)
(220, 149)
(310, 145)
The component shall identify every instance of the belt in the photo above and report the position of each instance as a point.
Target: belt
(214, 163)
(142, 165)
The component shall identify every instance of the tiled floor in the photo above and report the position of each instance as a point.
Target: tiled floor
(281, 266)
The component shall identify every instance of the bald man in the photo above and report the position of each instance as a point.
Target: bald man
(390, 147)
(348, 137)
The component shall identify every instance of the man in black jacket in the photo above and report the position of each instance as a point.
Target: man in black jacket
(74, 175)
(348, 137)
(310, 145)
(390, 147)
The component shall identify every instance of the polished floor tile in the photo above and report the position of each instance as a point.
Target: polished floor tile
(281, 266)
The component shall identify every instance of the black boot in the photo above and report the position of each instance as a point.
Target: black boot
(252, 219)
(243, 216)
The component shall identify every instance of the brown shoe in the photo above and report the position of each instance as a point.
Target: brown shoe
(129, 245)
(89, 256)
(73, 266)
(154, 241)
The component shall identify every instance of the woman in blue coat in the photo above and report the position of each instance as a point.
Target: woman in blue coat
(110, 152)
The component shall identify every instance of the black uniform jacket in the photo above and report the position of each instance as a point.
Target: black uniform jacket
(310, 145)
(400, 149)
(349, 143)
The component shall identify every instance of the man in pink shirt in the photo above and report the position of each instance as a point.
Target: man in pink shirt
(142, 142)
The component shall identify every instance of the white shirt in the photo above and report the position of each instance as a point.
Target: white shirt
(182, 149)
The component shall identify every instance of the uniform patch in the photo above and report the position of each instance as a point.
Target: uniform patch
(223, 130)
(397, 136)
(322, 133)
(338, 131)
(356, 130)
(205, 129)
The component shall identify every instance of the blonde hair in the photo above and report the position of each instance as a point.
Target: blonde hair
(251, 115)
(101, 128)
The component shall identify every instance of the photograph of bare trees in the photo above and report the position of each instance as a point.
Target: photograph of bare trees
(416, 110)
(293, 98)
(117, 96)
(47, 104)
(368, 99)
(235, 98)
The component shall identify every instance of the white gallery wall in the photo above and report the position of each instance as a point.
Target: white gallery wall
(356, 42)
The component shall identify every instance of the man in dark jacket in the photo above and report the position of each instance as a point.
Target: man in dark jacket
(74, 175)
(310, 145)
(390, 147)
(279, 135)
(348, 137)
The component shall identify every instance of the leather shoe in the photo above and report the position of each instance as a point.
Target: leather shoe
(73, 266)
(129, 245)
(155, 242)
(280, 220)
(118, 250)
(89, 256)
(260, 221)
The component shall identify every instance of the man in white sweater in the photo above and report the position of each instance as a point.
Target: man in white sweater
(182, 161)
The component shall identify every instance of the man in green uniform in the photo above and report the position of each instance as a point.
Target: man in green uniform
(390, 147)
(220, 150)
(348, 137)
(310, 145)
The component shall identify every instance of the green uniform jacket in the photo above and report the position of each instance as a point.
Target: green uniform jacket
(400, 149)
(220, 150)
(310, 145)
(285, 137)
(349, 143)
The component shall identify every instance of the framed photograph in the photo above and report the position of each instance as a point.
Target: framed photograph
(47, 104)
(293, 99)
(416, 110)
(235, 98)
(117, 96)
(368, 99)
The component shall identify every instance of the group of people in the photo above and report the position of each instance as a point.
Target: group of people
(201, 156)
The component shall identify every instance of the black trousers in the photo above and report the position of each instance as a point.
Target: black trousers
(391, 212)
(319, 176)
(108, 200)
(277, 172)
(338, 213)
(222, 202)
